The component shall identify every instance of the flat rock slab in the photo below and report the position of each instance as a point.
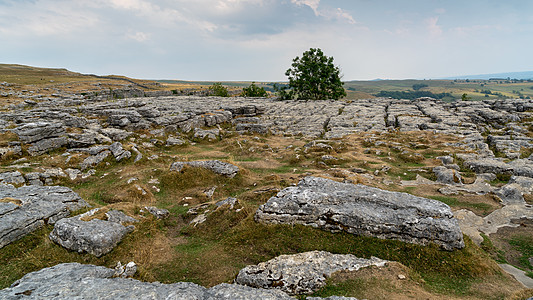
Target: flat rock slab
(519, 275)
(216, 166)
(25, 209)
(302, 273)
(97, 237)
(472, 224)
(78, 281)
(363, 210)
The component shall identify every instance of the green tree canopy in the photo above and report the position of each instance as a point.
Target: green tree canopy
(314, 76)
(217, 89)
(254, 91)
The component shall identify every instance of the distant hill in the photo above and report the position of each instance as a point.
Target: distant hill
(511, 75)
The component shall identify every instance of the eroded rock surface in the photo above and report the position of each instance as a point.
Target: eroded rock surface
(363, 210)
(97, 237)
(78, 281)
(302, 273)
(216, 166)
(25, 209)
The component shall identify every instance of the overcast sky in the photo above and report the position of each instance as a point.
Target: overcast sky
(257, 39)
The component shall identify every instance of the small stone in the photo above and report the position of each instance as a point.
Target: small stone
(159, 213)
(401, 276)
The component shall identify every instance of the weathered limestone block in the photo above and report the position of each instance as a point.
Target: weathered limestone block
(172, 141)
(78, 281)
(97, 237)
(33, 132)
(25, 209)
(302, 273)
(94, 160)
(216, 166)
(159, 213)
(45, 145)
(14, 177)
(488, 165)
(447, 176)
(118, 152)
(210, 134)
(115, 134)
(363, 210)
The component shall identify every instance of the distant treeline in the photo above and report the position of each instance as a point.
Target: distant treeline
(411, 95)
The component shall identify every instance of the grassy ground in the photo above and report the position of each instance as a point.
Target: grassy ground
(212, 252)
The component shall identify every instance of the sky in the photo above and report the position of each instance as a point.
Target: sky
(256, 40)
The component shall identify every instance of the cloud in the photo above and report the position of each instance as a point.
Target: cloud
(313, 4)
(468, 31)
(39, 18)
(138, 36)
(434, 29)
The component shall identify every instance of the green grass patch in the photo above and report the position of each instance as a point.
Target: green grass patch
(454, 202)
(501, 179)
(524, 245)
(488, 246)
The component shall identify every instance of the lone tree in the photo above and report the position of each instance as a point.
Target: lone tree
(314, 76)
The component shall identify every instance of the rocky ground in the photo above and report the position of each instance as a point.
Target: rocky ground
(204, 178)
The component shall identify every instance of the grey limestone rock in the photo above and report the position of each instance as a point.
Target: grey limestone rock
(33, 132)
(159, 213)
(28, 208)
(125, 271)
(302, 273)
(43, 136)
(524, 184)
(97, 237)
(72, 173)
(14, 177)
(216, 166)
(210, 134)
(115, 134)
(488, 165)
(45, 145)
(230, 201)
(78, 281)
(446, 160)
(94, 160)
(172, 141)
(118, 152)
(117, 216)
(447, 176)
(363, 210)
(241, 292)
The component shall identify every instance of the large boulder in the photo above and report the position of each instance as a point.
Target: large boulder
(447, 176)
(363, 210)
(25, 209)
(302, 273)
(33, 132)
(43, 136)
(216, 166)
(78, 281)
(97, 237)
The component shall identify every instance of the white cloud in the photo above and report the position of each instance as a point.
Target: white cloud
(43, 19)
(434, 29)
(313, 4)
(343, 15)
(468, 31)
(138, 36)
